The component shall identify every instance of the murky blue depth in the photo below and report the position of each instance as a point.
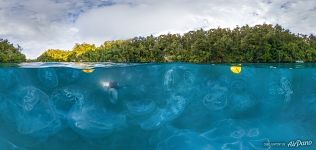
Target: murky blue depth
(157, 107)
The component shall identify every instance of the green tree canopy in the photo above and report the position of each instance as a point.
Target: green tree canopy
(260, 43)
(9, 53)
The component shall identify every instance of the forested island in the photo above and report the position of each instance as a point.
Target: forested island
(9, 53)
(246, 44)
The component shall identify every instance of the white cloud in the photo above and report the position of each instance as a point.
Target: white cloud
(41, 24)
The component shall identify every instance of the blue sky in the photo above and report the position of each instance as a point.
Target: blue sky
(37, 25)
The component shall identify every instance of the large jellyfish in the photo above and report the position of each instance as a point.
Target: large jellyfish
(93, 121)
(282, 87)
(242, 105)
(178, 79)
(65, 98)
(232, 135)
(140, 107)
(216, 99)
(48, 77)
(32, 114)
(174, 107)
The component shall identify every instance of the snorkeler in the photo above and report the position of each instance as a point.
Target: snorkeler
(111, 87)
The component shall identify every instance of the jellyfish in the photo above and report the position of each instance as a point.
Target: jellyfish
(230, 134)
(140, 107)
(65, 98)
(93, 121)
(174, 107)
(68, 75)
(281, 87)
(216, 99)
(178, 79)
(154, 121)
(242, 105)
(48, 77)
(238, 85)
(32, 114)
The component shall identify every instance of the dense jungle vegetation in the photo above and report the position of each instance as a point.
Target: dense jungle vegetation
(9, 53)
(253, 44)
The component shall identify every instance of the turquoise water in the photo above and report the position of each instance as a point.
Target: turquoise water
(157, 107)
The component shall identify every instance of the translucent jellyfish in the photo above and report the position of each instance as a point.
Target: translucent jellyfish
(179, 79)
(283, 88)
(154, 121)
(68, 75)
(216, 99)
(232, 135)
(174, 107)
(238, 85)
(7, 79)
(185, 141)
(140, 107)
(242, 105)
(93, 121)
(32, 114)
(65, 98)
(48, 77)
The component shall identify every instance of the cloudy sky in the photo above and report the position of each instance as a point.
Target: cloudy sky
(37, 25)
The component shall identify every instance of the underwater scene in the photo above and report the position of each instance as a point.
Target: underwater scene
(175, 106)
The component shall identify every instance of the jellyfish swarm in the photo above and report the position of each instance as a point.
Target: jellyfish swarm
(93, 121)
(47, 77)
(31, 113)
